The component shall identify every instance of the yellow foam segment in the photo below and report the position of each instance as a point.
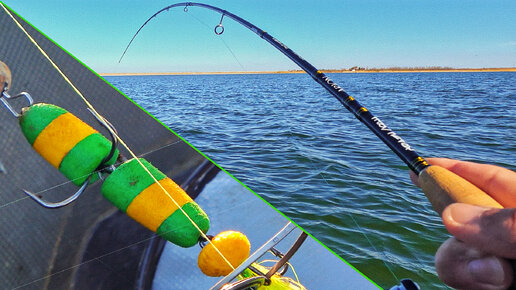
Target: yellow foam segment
(60, 136)
(152, 206)
(232, 244)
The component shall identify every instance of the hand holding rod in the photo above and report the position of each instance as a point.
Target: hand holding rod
(443, 187)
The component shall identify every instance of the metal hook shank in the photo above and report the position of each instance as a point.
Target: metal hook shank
(112, 132)
(4, 97)
(67, 201)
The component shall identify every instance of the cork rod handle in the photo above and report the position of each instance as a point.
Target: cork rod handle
(443, 187)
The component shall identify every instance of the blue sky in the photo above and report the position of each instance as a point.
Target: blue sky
(329, 34)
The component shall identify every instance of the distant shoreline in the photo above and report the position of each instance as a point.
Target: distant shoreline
(386, 70)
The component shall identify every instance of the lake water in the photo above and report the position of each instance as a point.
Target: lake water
(291, 142)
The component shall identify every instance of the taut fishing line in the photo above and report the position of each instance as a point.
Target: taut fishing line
(347, 212)
(400, 147)
(116, 135)
(96, 171)
(88, 261)
(220, 37)
(435, 181)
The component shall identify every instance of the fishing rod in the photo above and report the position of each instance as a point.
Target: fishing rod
(441, 186)
(396, 143)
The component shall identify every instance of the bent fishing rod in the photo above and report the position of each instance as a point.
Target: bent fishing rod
(442, 187)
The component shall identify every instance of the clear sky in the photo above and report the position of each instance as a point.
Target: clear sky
(329, 34)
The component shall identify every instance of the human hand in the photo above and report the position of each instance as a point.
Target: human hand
(484, 238)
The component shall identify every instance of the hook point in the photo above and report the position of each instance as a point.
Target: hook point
(39, 198)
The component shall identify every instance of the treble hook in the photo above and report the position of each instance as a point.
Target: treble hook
(100, 169)
(219, 32)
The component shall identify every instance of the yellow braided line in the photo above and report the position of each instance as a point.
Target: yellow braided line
(116, 135)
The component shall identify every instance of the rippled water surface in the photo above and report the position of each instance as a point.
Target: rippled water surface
(291, 142)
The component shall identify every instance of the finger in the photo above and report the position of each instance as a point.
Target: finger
(414, 178)
(463, 267)
(490, 230)
(498, 182)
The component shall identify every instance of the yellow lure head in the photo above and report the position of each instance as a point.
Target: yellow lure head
(232, 244)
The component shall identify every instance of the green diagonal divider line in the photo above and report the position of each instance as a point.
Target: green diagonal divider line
(198, 151)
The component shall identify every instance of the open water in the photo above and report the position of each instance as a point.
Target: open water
(295, 145)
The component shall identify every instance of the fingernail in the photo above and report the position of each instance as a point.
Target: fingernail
(487, 270)
(465, 213)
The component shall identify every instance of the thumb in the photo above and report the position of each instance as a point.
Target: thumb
(490, 230)
(463, 267)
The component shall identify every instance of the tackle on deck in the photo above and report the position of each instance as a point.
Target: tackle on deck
(139, 189)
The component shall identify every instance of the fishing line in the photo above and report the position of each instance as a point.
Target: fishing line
(314, 167)
(160, 148)
(44, 190)
(287, 263)
(88, 261)
(95, 172)
(363, 232)
(441, 186)
(221, 39)
(117, 136)
(398, 145)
